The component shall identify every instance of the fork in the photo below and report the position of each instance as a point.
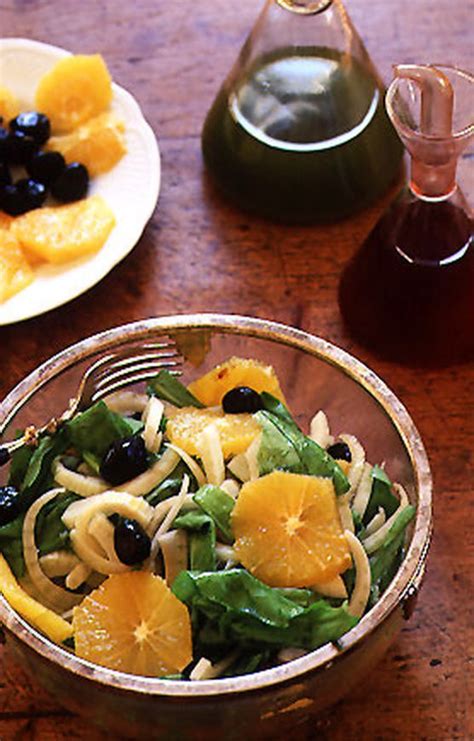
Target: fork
(107, 375)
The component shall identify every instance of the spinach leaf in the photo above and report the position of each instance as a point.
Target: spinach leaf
(19, 464)
(92, 461)
(51, 534)
(380, 495)
(385, 561)
(276, 407)
(167, 387)
(276, 451)
(170, 486)
(235, 608)
(302, 454)
(95, 429)
(38, 477)
(218, 505)
(202, 539)
(249, 662)
(11, 545)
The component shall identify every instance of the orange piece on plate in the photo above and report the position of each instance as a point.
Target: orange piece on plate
(236, 431)
(75, 89)
(133, 623)
(62, 233)
(15, 270)
(287, 530)
(211, 387)
(98, 143)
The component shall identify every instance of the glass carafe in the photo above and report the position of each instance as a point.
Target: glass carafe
(408, 293)
(298, 131)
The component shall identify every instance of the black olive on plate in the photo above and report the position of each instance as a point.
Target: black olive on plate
(132, 544)
(9, 508)
(19, 148)
(72, 183)
(24, 195)
(5, 177)
(33, 124)
(241, 399)
(124, 459)
(340, 452)
(46, 166)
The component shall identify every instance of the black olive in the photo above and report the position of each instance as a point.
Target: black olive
(241, 399)
(340, 452)
(72, 183)
(9, 508)
(5, 177)
(46, 166)
(132, 544)
(4, 456)
(124, 459)
(3, 144)
(19, 148)
(22, 196)
(33, 124)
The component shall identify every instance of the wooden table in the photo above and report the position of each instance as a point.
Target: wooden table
(199, 254)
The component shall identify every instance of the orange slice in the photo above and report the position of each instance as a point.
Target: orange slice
(9, 106)
(15, 270)
(236, 431)
(40, 616)
(98, 144)
(135, 624)
(211, 387)
(62, 233)
(288, 532)
(74, 90)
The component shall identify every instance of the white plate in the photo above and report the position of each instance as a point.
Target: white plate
(131, 188)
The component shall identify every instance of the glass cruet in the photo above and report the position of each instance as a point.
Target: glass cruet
(408, 293)
(298, 131)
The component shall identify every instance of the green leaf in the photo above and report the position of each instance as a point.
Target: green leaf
(38, 477)
(167, 387)
(11, 545)
(380, 495)
(202, 539)
(298, 453)
(51, 534)
(277, 408)
(19, 464)
(92, 461)
(170, 487)
(218, 505)
(235, 608)
(95, 429)
(385, 561)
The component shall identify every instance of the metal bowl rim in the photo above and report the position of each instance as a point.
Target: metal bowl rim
(407, 578)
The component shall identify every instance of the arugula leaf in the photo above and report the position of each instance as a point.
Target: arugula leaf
(218, 505)
(11, 545)
(95, 429)
(202, 539)
(385, 561)
(235, 608)
(167, 387)
(299, 454)
(380, 495)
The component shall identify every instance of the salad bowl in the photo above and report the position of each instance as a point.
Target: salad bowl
(267, 704)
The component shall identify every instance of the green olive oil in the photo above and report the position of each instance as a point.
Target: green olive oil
(303, 137)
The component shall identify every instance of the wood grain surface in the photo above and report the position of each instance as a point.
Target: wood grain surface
(198, 253)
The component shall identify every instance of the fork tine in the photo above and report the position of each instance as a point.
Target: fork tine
(115, 364)
(135, 365)
(128, 380)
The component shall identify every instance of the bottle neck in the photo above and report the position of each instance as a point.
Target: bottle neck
(305, 7)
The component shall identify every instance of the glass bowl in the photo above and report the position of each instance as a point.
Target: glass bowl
(314, 375)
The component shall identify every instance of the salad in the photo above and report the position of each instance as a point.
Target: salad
(197, 532)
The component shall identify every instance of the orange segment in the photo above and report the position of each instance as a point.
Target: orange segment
(133, 623)
(15, 271)
(98, 144)
(74, 90)
(236, 431)
(9, 106)
(287, 530)
(211, 387)
(61, 233)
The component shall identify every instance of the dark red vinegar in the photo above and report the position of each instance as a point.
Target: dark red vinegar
(408, 293)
